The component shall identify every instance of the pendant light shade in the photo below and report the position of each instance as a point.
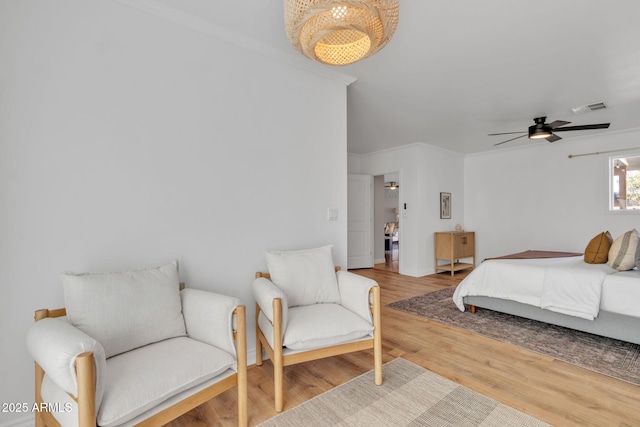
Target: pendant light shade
(340, 32)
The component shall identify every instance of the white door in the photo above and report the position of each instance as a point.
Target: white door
(360, 221)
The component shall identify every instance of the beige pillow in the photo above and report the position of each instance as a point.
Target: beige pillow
(306, 277)
(126, 310)
(622, 255)
(597, 251)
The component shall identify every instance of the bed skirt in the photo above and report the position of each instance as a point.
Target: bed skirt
(607, 324)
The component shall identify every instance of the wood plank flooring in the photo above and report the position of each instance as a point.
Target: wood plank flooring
(548, 389)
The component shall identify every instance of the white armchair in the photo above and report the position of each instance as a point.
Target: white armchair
(132, 348)
(306, 309)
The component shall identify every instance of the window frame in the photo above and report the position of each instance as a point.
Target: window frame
(610, 192)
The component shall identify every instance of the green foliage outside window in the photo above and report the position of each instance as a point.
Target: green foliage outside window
(633, 189)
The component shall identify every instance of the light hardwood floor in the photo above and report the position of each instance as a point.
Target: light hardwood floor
(548, 389)
(391, 259)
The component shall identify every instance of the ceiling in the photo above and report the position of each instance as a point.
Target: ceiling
(456, 71)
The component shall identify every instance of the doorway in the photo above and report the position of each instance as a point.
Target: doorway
(386, 221)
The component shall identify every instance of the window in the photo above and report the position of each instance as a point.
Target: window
(625, 184)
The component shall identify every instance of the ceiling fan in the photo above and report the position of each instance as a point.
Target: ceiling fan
(542, 130)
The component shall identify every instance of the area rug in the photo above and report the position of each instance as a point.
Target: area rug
(607, 356)
(409, 396)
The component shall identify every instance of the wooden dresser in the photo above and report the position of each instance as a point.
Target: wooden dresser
(453, 246)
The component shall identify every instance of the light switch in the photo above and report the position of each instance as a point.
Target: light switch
(332, 214)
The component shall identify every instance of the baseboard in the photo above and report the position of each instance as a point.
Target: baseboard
(28, 421)
(251, 358)
(379, 261)
(420, 273)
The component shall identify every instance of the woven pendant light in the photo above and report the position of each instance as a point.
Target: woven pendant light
(340, 32)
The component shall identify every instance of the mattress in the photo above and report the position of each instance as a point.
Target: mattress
(522, 280)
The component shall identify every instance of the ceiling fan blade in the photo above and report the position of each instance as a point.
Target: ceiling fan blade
(504, 133)
(557, 123)
(553, 138)
(584, 127)
(517, 137)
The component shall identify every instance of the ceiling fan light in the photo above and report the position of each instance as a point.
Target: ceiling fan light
(340, 32)
(539, 132)
(540, 135)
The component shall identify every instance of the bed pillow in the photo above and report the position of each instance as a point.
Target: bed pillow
(126, 310)
(306, 277)
(622, 255)
(597, 251)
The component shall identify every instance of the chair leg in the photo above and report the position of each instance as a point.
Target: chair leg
(377, 336)
(278, 362)
(39, 372)
(241, 339)
(278, 377)
(258, 342)
(39, 377)
(85, 371)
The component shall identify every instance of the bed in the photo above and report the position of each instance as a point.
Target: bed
(561, 290)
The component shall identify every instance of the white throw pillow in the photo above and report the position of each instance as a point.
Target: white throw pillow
(125, 310)
(306, 277)
(622, 255)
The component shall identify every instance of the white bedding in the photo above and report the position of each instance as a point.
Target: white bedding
(567, 285)
(572, 291)
(621, 293)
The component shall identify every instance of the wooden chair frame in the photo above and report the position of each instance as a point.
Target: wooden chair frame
(85, 368)
(280, 360)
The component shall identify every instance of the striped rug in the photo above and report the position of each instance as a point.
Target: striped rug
(409, 396)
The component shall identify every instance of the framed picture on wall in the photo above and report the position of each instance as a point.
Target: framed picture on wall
(445, 205)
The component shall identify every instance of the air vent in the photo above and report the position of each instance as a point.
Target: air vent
(587, 108)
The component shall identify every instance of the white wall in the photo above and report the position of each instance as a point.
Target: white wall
(538, 198)
(127, 141)
(425, 171)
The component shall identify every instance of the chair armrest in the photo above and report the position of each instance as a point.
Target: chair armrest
(354, 293)
(209, 318)
(265, 291)
(55, 345)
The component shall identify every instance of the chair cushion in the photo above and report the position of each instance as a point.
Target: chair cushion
(622, 255)
(143, 378)
(306, 277)
(125, 310)
(323, 325)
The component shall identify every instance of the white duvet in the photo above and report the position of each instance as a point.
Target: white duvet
(565, 285)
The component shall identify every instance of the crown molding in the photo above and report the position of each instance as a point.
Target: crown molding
(405, 147)
(202, 26)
